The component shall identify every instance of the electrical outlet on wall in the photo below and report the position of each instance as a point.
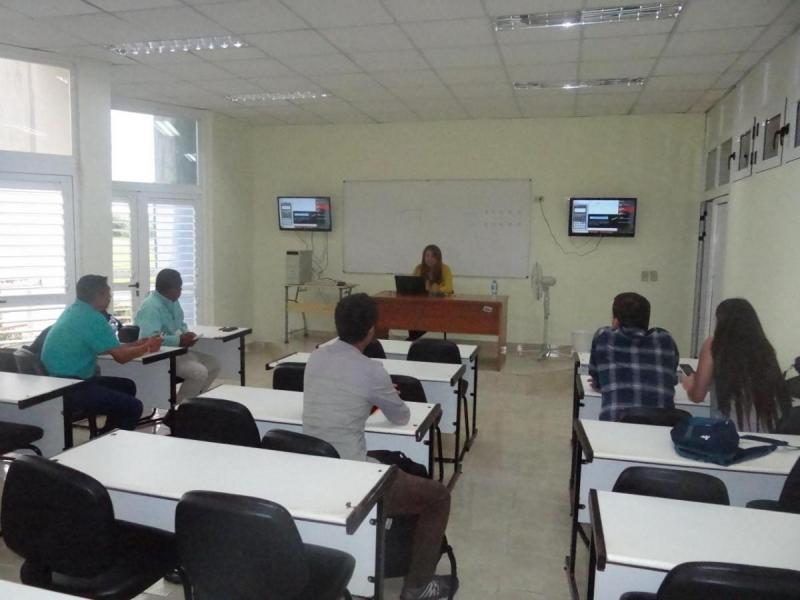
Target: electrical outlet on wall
(645, 275)
(653, 275)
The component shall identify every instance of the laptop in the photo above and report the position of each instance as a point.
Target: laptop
(410, 284)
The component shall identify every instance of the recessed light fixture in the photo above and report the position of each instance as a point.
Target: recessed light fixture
(657, 11)
(166, 128)
(577, 85)
(276, 97)
(220, 42)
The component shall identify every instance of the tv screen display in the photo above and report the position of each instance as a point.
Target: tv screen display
(602, 217)
(304, 213)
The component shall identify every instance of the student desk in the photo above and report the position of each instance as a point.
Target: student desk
(583, 360)
(153, 374)
(37, 400)
(10, 590)
(280, 409)
(226, 346)
(637, 540)
(441, 384)
(296, 305)
(458, 313)
(335, 503)
(398, 350)
(607, 448)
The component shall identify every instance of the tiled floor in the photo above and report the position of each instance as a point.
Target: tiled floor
(509, 523)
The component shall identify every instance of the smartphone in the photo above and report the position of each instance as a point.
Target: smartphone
(687, 369)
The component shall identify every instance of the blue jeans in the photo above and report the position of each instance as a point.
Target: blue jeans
(114, 397)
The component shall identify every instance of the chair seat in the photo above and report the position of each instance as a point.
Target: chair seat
(330, 572)
(14, 436)
(143, 556)
(773, 505)
(637, 596)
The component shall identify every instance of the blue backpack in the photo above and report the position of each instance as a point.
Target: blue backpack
(717, 441)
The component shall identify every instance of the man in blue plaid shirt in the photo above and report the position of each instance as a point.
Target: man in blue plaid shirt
(630, 364)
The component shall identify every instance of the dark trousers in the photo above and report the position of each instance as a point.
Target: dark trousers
(429, 500)
(114, 397)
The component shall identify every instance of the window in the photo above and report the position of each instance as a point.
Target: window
(36, 255)
(149, 148)
(35, 110)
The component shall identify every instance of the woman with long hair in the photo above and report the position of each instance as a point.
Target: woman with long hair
(438, 277)
(739, 366)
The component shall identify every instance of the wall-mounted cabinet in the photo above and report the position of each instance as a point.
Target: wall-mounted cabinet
(770, 133)
(726, 157)
(742, 164)
(711, 169)
(791, 141)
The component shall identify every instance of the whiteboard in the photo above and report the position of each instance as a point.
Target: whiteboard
(483, 226)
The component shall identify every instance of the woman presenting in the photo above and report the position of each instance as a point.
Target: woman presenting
(438, 277)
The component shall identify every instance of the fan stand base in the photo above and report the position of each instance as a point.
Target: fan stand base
(549, 351)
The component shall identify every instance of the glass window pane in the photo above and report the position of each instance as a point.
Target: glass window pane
(35, 111)
(21, 324)
(725, 161)
(153, 149)
(744, 150)
(711, 165)
(771, 141)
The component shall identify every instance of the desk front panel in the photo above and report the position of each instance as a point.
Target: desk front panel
(458, 315)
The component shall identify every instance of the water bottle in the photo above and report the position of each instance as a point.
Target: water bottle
(493, 287)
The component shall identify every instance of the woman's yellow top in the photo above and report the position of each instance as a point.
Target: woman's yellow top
(446, 287)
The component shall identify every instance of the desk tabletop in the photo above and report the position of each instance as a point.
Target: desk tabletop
(163, 353)
(322, 284)
(449, 298)
(16, 591)
(311, 488)
(652, 444)
(424, 371)
(27, 390)
(281, 406)
(681, 397)
(400, 347)
(656, 533)
(214, 332)
(583, 358)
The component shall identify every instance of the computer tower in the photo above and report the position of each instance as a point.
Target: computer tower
(298, 266)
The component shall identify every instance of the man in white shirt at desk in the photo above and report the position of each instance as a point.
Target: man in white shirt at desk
(161, 313)
(340, 389)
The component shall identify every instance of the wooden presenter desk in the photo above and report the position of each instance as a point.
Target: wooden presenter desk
(460, 313)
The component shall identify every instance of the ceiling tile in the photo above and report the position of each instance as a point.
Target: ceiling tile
(373, 38)
(540, 110)
(231, 53)
(713, 63)
(348, 81)
(438, 111)
(497, 8)
(747, 60)
(659, 97)
(728, 79)
(203, 2)
(393, 79)
(498, 90)
(251, 69)
(390, 61)
(171, 23)
(320, 65)
(49, 8)
(486, 109)
(291, 43)
(780, 29)
(627, 28)
(341, 13)
(450, 34)
(286, 84)
(422, 92)
(119, 5)
(472, 74)
(539, 34)
(386, 112)
(468, 56)
(230, 86)
(604, 104)
(165, 58)
(425, 10)
(265, 120)
(616, 68)
(135, 90)
(722, 41)
(95, 53)
(548, 73)
(100, 29)
(253, 17)
(623, 48)
(201, 71)
(698, 81)
(540, 52)
(38, 33)
(138, 74)
(665, 109)
(177, 89)
(723, 14)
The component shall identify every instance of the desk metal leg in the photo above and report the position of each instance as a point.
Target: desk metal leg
(241, 361)
(592, 568)
(474, 395)
(285, 315)
(576, 529)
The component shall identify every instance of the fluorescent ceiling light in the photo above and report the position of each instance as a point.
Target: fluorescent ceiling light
(167, 128)
(657, 11)
(577, 85)
(191, 157)
(276, 97)
(220, 42)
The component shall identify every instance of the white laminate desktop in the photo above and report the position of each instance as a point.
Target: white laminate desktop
(583, 359)
(226, 346)
(36, 400)
(10, 590)
(640, 539)
(333, 502)
(153, 374)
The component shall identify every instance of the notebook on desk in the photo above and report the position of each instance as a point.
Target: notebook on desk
(410, 284)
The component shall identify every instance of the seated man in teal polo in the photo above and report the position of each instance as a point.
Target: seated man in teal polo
(161, 314)
(71, 348)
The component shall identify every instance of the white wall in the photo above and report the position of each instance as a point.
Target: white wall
(657, 158)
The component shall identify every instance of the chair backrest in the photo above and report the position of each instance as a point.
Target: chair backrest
(650, 415)
(299, 443)
(434, 350)
(8, 364)
(289, 376)
(213, 420)
(29, 363)
(790, 424)
(238, 547)
(128, 333)
(790, 494)
(409, 388)
(673, 484)
(57, 518)
(726, 581)
(374, 350)
(37, 344)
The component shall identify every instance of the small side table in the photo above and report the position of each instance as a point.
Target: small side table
(297, 305)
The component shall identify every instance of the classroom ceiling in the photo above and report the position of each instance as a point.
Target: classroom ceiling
(408, 60)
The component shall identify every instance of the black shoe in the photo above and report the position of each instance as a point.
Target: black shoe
(174, 576)
(440, 587)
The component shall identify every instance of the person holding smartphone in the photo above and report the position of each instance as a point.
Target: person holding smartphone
(161, 314)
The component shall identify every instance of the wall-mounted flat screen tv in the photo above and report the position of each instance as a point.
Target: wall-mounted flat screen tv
(304, 213)
(602, 217)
